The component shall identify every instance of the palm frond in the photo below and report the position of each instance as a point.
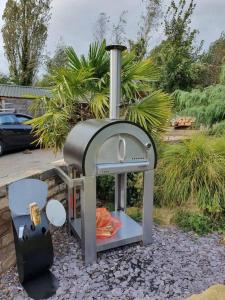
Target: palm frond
(152, 112)
(99, 105)
(51, 129)
(74, 61)
(86, 79)
(137, 76)
(98, 58)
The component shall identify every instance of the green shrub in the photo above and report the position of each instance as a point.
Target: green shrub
(135, 213)
(134, 189)
(206, 105)
(188, 221)
(199, 223)
(106, 186)
(193, 172)
(217, 129)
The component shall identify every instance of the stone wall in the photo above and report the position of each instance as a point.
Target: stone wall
(56, 190)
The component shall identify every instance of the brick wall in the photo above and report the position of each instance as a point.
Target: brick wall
(56, 190)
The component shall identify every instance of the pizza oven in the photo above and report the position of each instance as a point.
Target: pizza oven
(102, 147)
(108, 147)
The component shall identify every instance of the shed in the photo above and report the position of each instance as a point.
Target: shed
(18, 98)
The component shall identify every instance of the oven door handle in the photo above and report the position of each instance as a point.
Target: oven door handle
(122, 147)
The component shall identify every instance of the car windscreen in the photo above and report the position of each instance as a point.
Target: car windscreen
(8, 120)
(22, 119)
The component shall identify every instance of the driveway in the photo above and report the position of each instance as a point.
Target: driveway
(19, 165)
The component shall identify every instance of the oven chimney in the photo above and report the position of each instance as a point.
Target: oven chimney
(115, 79)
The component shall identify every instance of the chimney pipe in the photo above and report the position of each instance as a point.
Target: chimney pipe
(115, 79)
(114, 113)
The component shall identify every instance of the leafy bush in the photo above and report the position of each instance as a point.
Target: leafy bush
(134, 189)
(217, 129)
(201, 224)
(193, 172)
(106, 186)
(207, 105)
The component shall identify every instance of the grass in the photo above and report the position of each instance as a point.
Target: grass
(218, 129)
(193, 172)
(161, 216)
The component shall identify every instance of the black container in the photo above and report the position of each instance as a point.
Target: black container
(34, 255)
(34, 252)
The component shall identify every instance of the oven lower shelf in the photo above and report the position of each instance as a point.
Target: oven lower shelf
(130, 232)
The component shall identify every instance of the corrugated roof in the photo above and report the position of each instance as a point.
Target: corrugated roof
(18, 91)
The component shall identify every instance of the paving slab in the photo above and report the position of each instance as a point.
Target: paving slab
(15, 166)
(215, 292)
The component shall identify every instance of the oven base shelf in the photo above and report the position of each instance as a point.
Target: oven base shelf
(130, 232)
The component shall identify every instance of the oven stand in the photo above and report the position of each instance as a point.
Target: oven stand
(85, 226)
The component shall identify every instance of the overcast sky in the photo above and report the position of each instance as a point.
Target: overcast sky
(73, 21)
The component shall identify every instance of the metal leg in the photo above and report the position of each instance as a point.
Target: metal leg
(120, 191)
(69, 211)
(116, 192)
(148, 206)
(74, 202)
(88, 220)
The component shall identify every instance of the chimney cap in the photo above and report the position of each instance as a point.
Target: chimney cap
(117, 47)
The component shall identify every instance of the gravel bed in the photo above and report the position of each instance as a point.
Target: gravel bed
(175, 266)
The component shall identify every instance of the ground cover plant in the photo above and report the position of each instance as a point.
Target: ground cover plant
(199, 222)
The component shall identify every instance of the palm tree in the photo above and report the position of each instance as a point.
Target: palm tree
(81, 91)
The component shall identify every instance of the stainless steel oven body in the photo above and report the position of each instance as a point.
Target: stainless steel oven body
(108, 147)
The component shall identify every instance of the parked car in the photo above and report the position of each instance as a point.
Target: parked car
(14, 133)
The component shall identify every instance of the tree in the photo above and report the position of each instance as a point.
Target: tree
(178, 54)
(138, 47)
(59, 58)
(53, 63)
(82, 90)
(222, 73)
(213, 61)
(101, 27)
(150, 18)
(118, 31)
(24, 35)
(4, 79)
(149, 22)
